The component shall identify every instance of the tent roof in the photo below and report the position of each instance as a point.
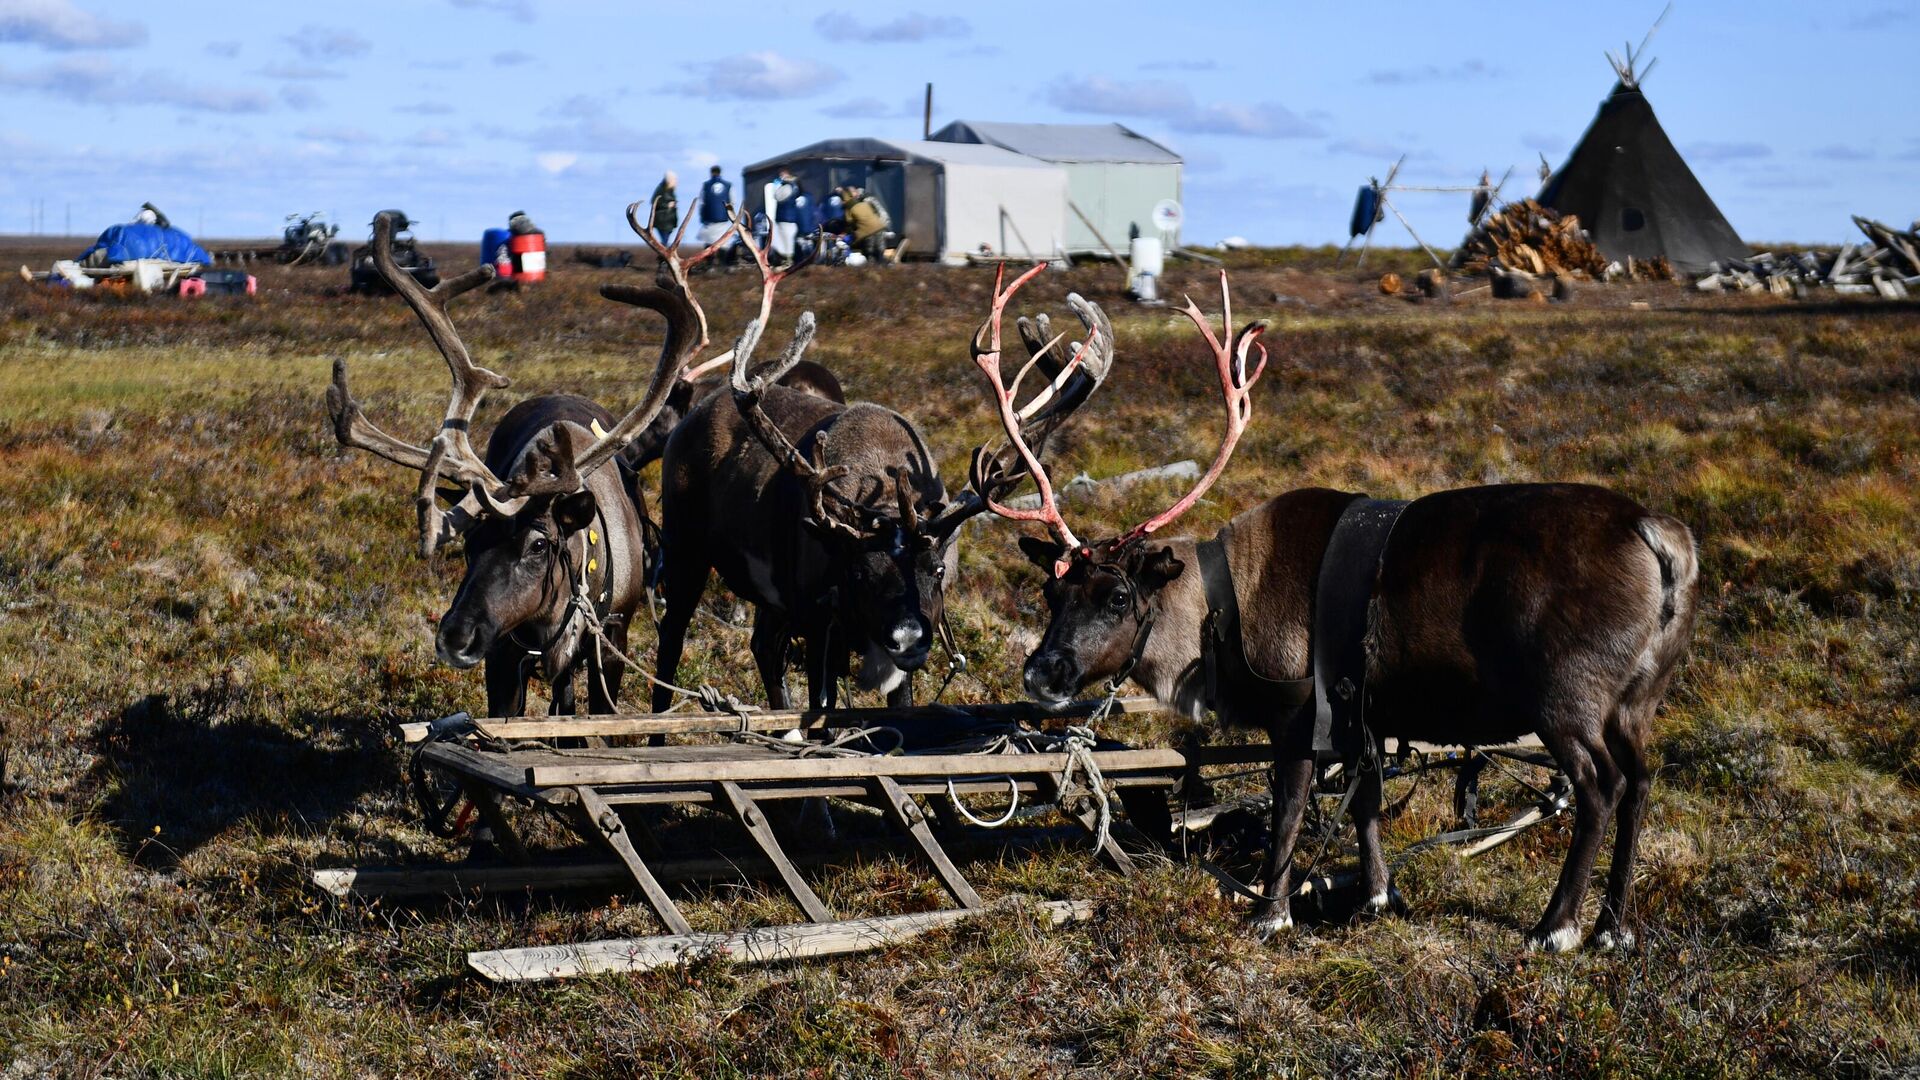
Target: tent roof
(1634, 193)
(1062, 142)
(865, 149)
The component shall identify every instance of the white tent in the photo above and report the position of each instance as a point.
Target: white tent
(1115, 175)
(949, 199)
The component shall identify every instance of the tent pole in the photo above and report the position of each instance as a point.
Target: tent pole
(1410, 232)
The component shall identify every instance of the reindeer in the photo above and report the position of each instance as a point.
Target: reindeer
(1472, 617)
(557, 545)
(831, 519)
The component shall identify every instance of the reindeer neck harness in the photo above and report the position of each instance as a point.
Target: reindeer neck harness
(1344, 611)
(590, 586)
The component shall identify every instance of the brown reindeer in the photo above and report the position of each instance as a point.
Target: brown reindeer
(1473, 617)
(558, 542)
(831, 519)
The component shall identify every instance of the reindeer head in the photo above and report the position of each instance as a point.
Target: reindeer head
(1101, 596)
(526, 535)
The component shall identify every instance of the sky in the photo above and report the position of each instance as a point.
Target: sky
(231, 115)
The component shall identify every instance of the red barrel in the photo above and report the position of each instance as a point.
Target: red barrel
(529, 251)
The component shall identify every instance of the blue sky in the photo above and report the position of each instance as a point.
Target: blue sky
(230, 115)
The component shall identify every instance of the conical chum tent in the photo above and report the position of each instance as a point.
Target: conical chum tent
(1634, 193)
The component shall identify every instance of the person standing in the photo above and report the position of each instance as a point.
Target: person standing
(778, 198)
(716, 207)
(868, 223)
(666, 206)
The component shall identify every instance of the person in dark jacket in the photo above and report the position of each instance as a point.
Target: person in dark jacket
(666, 206)
(716, 206)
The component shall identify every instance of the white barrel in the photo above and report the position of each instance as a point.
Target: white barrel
(1147, 255)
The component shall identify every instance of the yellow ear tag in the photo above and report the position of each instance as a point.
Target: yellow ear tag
(598, 431)
(592, 565)
(593, 536)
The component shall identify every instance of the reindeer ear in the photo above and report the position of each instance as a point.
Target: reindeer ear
(1042, 552)
(1158, 568)
(574, 512)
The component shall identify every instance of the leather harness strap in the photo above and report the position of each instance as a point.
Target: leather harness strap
(1342, 612)
(1231, 677)
(1343, 606)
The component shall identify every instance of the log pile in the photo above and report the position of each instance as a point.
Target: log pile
(1887, 264)
(1532, 239)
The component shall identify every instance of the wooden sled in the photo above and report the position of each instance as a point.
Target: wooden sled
(596, 791)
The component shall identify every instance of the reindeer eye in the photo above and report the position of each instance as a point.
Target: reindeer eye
(940, 573)
(539, 546)
(1118, 599)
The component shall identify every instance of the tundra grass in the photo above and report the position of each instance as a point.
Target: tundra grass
(211, 617)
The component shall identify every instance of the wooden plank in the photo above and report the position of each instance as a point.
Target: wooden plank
(841, 768)
(612, 875)
(452, 880)
(773, 719)
(702, 795)
(486, 800)
(762, 945)
(493, 769)
(600, 822)
(907, 814)
(754, 821)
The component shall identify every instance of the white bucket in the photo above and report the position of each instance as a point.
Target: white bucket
(1147, 255)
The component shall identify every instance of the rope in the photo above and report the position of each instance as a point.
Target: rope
(1078, 743)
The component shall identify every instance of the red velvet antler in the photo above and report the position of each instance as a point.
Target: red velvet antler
(1235, 384)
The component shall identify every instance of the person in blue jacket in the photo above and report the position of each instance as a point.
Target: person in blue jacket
(716, 206)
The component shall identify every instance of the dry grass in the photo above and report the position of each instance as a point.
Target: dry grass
(211, 618)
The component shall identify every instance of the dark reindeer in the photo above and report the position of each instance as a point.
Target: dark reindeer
(560, 538)
(831, 519)
(1556, 609)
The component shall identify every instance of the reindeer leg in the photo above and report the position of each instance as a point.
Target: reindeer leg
(769, 648)
(686, 580)
(506, 681)
(564, 702)
(1597, 787)
(1376, 885)
(1292, 787)
(821, 670)
(1630, 753)
(604, 670)
(901, 696)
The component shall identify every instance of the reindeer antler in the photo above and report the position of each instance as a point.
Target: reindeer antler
(769, 281)
(1236, 385)
(451, 451)
(1027, 426)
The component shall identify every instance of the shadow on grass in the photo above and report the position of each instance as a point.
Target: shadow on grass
(193, 779)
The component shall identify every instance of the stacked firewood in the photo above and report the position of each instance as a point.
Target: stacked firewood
(1532, 239)
(1887, 265)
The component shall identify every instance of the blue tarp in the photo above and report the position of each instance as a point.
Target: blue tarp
(136, 241)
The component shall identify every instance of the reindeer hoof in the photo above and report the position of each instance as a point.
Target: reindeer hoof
(1614, 939)
(1270, 924)
(1385, 902)
(1559, 941)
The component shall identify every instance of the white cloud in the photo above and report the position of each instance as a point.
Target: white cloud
(335, 135)
(556, 162)
(58, 25)
(1464, 71)
(1727, 151)
(521, 10)
(1174, 104)
(863, 108)
(425, 108)
(98, 81)
(755, 76)
(327, 43)
(284, 69)
(913, 26)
